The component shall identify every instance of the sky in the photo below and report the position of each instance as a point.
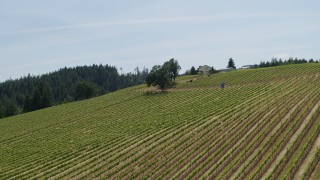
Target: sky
(41, 36)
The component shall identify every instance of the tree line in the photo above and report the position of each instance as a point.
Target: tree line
(280, 62)
(262, 64)
(31, 93)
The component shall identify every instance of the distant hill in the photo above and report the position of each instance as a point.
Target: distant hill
(18, 96)
(265, 123)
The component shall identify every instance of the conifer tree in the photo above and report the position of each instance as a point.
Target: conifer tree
(193, 71)
(231, 64)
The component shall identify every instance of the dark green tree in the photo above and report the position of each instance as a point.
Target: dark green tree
(158, 77)
(2, 110)
(274, 62)
(11, 109)
(231, 64)
(27, 104)
(280, 62)
(193, 71)
(213, 71)
(86, 90)
(42, 97)
(172, 67)
(47, 97)
(36, 100)
(152, 76)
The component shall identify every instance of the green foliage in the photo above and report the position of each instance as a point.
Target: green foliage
(2, 110)
(86, 90)
(27, 104)
(193, 71)
(163, 76)
(11, 110)
(172, 67)
(42, 98)
(8, 107)
(158, 77)
(231, 64)
(213, 71)
(25, 92)
(280, 62)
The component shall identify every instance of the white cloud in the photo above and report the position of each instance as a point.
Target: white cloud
(104, 24)
(199, 18)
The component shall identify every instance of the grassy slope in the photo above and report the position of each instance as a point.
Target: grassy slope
(125, 133)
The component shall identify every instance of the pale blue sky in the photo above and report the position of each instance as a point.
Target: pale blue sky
(40, 36)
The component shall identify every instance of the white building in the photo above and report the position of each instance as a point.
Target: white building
(226, 70)
(246, 67)
(204, 69)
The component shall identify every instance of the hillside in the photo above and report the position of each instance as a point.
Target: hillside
(28, 93)
(264, 123)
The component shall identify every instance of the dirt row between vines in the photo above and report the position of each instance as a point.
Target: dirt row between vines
(291, 141)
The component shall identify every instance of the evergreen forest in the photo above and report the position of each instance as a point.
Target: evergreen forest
(31, 93)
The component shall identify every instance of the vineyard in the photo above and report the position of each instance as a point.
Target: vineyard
(265, 124)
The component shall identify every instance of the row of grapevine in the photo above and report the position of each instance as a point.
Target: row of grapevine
(264, 122)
